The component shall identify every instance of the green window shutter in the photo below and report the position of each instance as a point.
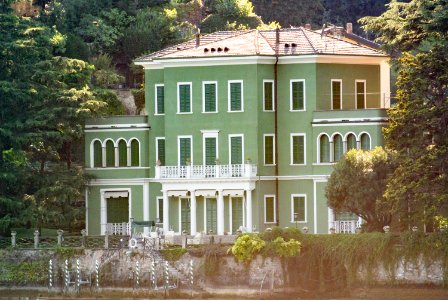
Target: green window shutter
(135, 153)
(269, 209)
(235, 96)
(338, 147)
(298, 149)
(365, 142)
(185, 150)
(161, 151)
(351, 142)
(97, 154)
(336, 92)
(324, 149)
(236, 150)
(117, 210)
(210, 97)
(299, 208)
(110, 154)
(297, 95)
(360, 96)
(268, 96)
(184, 98)
(269, 150)
(160, 210)
(160, 100)
(210, 151)
(122, 154)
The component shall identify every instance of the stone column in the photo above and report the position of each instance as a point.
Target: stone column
(36, 239)
(83, 238)
(330, 220)
(193, 212)
(220, 212)
(385, 83)
(146, 205)
(60, 232)
(128, 156)
(13, 238)
(249, 210)
(103, 152)
(166, 213)
(117, 156)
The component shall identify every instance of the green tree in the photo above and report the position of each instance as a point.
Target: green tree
(418, 129)
(357, 185)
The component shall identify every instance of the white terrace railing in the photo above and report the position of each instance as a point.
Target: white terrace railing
(118, 228)
(346, 226)
(206, 171)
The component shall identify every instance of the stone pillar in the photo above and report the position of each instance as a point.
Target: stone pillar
(385, 83)
(103, 152)
(193, 212)
(117, 156)
(220, 212)
(13, 238)
(166, 213)
(36, 239)
(60, 232)
(128, 156)
(249, 210)
(106, 240)
(330, 220)
(83, 238)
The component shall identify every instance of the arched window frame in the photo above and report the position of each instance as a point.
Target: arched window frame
(130, 152)
(360, 140)
(119, 154)
(333, 145)
(92, 153)
(319, 148)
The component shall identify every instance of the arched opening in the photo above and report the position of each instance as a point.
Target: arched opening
(351, 142)
(135, 153)
(110, 154)
(365, 141)
(97, 154)
(324, 154)
(122, 153)
(338, 147)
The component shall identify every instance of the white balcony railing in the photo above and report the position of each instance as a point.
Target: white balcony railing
(118, 228)
(346, 226)
(206, 171)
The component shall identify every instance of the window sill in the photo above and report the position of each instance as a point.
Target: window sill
(298, 110)
(299, 222)
(209, 112)
(270, 165)
(235, 111)
(159, 114)
(323, 164)
(297, 165)
(184, 113)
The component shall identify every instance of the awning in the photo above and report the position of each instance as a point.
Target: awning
(233, 193)
(116, 194)
(177, 193)
(206, 193)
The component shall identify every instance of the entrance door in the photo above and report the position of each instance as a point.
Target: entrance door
(211, 215)
(117, 210)
(185, 215)
(237, 213)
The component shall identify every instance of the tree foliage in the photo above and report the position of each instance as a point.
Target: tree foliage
(357, 185)
(418, 129)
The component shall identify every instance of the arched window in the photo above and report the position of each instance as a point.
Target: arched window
(135, 153)
(338, 147)
(97, 154)
(365, 141)
(351, 142)
(110, 154)
(324, 154)
(122, 153)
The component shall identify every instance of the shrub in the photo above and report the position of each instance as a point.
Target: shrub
(247, 246)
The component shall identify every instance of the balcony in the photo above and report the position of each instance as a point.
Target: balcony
(350, 115)
(206, 171)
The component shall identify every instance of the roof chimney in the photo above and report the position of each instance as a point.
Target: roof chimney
(308, 26)
(277, 35)
(198, 38)
(349, 28)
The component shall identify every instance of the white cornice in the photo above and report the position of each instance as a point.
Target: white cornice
(348, 124)
(372, 119)
(116, 129)
(112, 126)
(258, 59)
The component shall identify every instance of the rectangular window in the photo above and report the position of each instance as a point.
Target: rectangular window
(269, 209)
(210, 150)
(159, 210)
(298, 155)
(269, 149)
(336, 94)
(160, 150)
(236, 101)
(360, 92)
(297, 95)
(268, 95)
(298, 208)
(236, 144)
(160, 99)
(185, 150)
(184, 95)
(209, 96)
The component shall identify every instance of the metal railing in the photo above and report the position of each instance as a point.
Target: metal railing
(346, 226)
(207, 171)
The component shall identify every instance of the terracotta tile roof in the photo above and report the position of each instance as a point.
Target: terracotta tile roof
(293, 41)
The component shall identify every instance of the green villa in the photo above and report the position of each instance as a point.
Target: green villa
(241, 132)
